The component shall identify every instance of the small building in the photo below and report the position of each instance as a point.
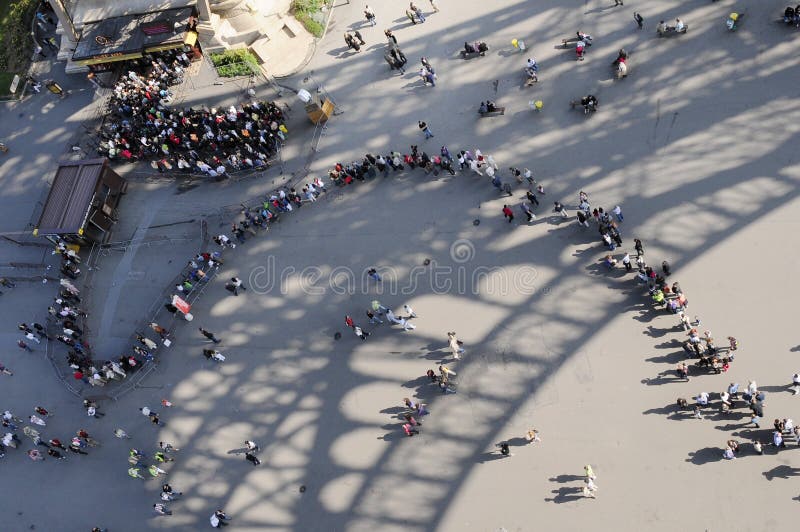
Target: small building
(81, 206)
(105, 42)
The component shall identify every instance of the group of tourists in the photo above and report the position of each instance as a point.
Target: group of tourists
(141, 125)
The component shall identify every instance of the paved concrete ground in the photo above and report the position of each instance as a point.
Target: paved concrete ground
(696, 145)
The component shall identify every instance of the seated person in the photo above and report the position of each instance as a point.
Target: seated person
(788, 15)
(679, 25)
(622, 56)
(585, 37)
(662, 27)
(490, 105)
(468, 48)
(483, 108)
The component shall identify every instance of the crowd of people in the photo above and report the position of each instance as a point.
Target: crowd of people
(65, 324)
(710, 357)
(141, 125)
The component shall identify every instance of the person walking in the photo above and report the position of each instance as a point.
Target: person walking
(589, 472)
(134, 472)
(22, 345)
(426, 130)
(418, 12)
(167, 489)
(218, 519)
(507, 213)
(455, 345)
(618, 3)
(372, 318)
(161, 331)
(357, 35)
(121, 434)
(159, 456)
(526, 208)
(209, 335)
(559, 208)
(504, 449)
(154, 471)
(370, 15)
(434, 6)
(637, 245)
(589, 488)
(639, 20)
(167, 447)
(533, 436)
(162, 509)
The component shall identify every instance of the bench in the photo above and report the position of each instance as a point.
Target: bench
(497, 112)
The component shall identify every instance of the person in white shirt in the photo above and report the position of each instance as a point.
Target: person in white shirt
(702, 399)
(679, 25)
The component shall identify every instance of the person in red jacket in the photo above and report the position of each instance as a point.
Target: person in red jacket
(508, 214)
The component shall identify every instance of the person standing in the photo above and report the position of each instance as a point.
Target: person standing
(639, 20)
(504, 449)
(589, 472)
(252, 458)
(358, 36)
(22, 345)
(626, 261)
(559, 208)
(209, 335)
(434, 6)
(618, 3)
(425, 129)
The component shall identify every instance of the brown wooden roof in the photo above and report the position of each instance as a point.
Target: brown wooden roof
(70, 197)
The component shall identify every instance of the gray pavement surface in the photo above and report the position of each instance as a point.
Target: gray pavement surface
(697, 146)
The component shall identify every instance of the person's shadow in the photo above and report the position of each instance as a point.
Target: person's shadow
(490, 456)
(241, 450)
(566, 494)
(781, 471)
(561, 479)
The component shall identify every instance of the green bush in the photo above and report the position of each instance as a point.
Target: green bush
(303, 10)
(234, 63)
(15, 33)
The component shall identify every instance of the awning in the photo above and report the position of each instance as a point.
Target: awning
(109, 58)
(161, 48)
(191, 38)
(130, 36)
